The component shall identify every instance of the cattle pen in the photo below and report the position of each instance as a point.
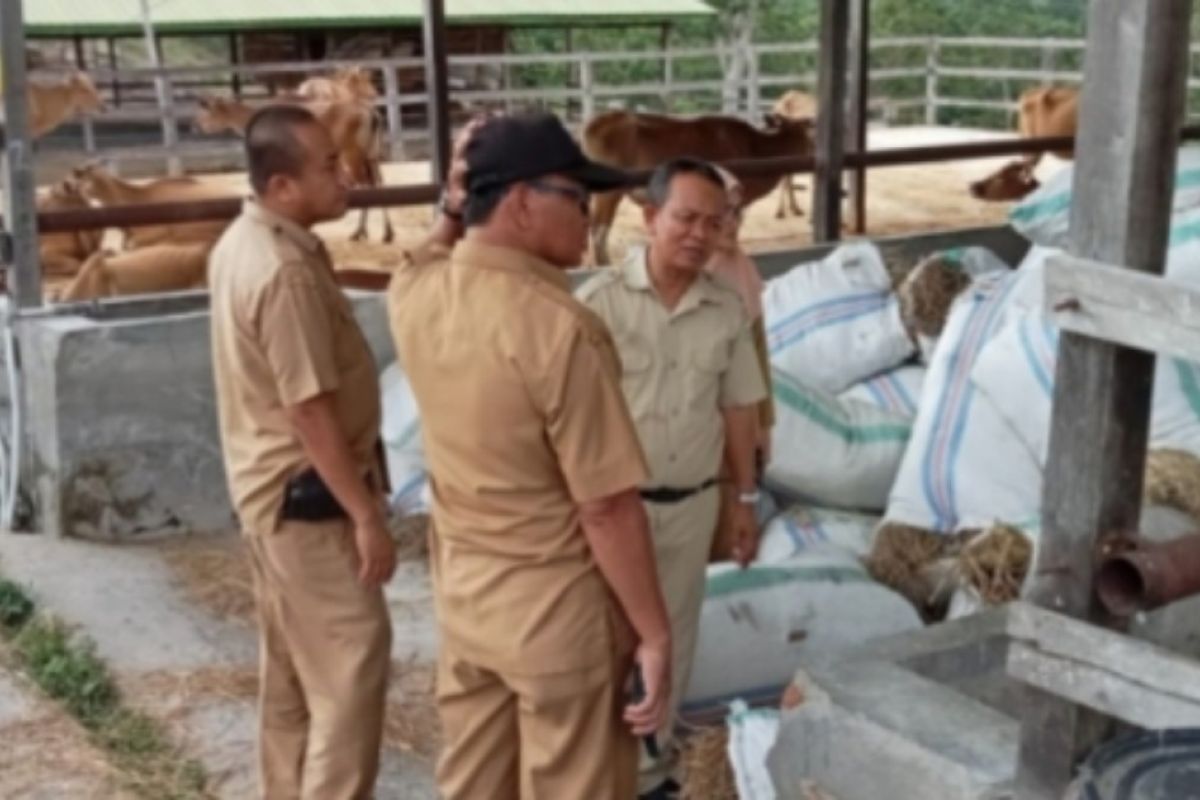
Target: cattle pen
(1061, 654)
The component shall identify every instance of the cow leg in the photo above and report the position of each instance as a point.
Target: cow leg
(604, 211)
(376, 173)
(360, 232)
(58, 265)
(791, 184)
(785, 187)
(90, 282)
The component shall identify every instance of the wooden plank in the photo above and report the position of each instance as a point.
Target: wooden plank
(831, 121)
(987, 73)
(1142, 665)
(1130, 114)
(1123, 306)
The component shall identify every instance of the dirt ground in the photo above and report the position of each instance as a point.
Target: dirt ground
(900, 200)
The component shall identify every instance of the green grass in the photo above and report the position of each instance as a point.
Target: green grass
(65, 666)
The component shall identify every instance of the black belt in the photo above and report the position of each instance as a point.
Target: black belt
(666, 494)
(306, 498)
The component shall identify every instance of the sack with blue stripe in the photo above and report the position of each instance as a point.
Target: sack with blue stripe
(832, 452)
(805, 529)
(1044, 216)
(401, 432)
(964, 468)
(896, 391)
(815, 604)
(832, 323)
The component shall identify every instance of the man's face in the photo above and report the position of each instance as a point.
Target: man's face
(557, 208)
(685, 231)
(319, 191)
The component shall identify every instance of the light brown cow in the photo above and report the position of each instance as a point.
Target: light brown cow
(1011, 182)
(792, 104)
(105, 189)
(1048, 111)
(355, 129)
(158, 268)
(52, 104)
(346, 85)
(638, 142)
(61, 253)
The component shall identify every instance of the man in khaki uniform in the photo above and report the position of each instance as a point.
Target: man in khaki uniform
(298, 401)
(693, 383)
(540, 548)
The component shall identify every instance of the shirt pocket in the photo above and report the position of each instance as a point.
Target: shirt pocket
(706, 365)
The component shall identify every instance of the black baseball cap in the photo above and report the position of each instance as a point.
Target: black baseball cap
(521, 147)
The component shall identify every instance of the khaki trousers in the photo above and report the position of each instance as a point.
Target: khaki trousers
(683, 536)
(325, 650)
(548, 737)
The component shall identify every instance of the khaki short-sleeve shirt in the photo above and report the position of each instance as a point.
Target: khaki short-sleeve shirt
(523, 419)
(282, 333)
(681, 366)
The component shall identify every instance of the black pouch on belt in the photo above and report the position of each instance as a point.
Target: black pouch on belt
(306, 498)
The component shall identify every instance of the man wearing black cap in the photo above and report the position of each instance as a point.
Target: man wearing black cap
(541, 554)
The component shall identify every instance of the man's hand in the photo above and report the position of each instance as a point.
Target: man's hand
(376, 551)
(650, 715)
(456, 179)
(745, 534)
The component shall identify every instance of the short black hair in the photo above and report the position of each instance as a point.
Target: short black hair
(481, 205)
(658, 190)
(272, 147)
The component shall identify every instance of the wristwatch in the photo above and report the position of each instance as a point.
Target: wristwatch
(749, 498)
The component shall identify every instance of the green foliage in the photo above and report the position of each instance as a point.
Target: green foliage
(16, 608)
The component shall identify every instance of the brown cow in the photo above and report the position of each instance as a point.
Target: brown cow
(51, 104)
(355, 129)
(62, 253)
(1011, 182)
(792, 104)
(105, 189)
(158, 268)
(1048, 111)
(346, 85)
(636, 142)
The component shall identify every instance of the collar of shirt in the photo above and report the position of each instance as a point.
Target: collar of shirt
(636, 275)
(306, 239)
(507, 259)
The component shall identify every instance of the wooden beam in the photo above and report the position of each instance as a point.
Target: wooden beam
(1123, 306)
(1130, 679)
(438, 86)
(1131, 108)
(831, 121)
(860, 92)
(20, 213)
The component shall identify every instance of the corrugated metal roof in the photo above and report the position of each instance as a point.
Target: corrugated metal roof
(114, 17)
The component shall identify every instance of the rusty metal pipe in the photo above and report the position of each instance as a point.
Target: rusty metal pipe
(1149, 576)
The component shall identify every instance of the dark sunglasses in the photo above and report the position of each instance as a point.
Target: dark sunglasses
(581, 196)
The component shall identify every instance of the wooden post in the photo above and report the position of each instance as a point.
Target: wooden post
(931, 81)
(587, 88)
(753, 94)
(831, 121)
(1130, 114)
(235, 58)
(668, 68)
(113, 63)
(20, 210)
(1048, 54)
(391, 88)
(166, 105)
(860, 39)
(89, 129)
(506, 71)
(438, 88)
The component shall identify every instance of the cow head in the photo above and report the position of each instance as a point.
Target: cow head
(1011, 182)
(84, 94)
(357, 82)
(86, 176)
(213, 115)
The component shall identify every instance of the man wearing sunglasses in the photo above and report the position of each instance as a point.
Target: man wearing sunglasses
(693, 382)
(541, 554)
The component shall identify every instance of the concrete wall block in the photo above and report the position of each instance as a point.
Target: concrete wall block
(123, 421)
